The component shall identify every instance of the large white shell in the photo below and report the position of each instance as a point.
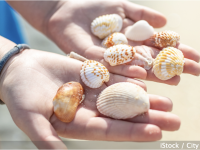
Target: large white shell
(114, 39)
(140, 31)
(123, 100)
(168, 63)
(94, 74)
(106, 24)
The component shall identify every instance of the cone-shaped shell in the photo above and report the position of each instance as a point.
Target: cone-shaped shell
(168, 63)
(66, 101)
(165, 38)
(106, 24)
(123, 100)
(119, 54)
(94, 74)
(114, 39)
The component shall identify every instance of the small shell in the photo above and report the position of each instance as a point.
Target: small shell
(119, 54)
(165, 38)
(123, 100)
(106, 24)
(66, 101)
(168, 63)
(114, 39)
(94, 74)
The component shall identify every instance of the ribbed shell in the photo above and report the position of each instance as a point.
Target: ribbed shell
(114, 39)
(165, 38)
(94, 74)
(123, 100)
(119, 54)
(168, 63)
(66, 101)
(106, 24)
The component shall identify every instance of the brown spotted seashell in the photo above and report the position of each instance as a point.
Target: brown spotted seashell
(66, 101)
(165, 38)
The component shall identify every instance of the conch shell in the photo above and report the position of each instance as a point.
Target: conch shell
(114, 39)
(123, 100)
(66, 101)
(168, 63)
(94, 74)
(106, 24)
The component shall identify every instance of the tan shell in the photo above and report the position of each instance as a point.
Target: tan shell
(123, 100)
(114, 39)
(66, 101)
(106, 24)
(94, 74)
(165, 38)
(168, 63)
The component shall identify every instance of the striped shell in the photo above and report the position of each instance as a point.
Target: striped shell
(168, 63)
(94, 74)
(123, 100)
(106, 24)
(114, 39)
(165, 38)
(66, 101)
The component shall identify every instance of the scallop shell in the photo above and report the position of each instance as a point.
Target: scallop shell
(114, 39)
(66, 101)
(123, 100)
(94, 74)
(168, 63)
(165, 38)
(106, 24)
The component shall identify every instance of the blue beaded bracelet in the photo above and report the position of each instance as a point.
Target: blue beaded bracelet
(18, 48)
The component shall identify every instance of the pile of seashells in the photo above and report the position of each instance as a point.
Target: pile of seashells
(121, 100)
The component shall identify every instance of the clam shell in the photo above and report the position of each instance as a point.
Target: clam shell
(106, 24)
(165, 38)
(114, 39)
(66, 101)
(119, 54)
(123, 100)
(94, 74)
(168, 63)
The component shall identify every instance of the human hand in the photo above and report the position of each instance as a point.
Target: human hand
(69, 28)
(28, 84)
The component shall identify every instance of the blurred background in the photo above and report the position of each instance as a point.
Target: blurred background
(183, 18)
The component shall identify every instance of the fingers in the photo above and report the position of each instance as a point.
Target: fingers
(164, 120)
(117, 78)
(191, 67)
(38, 128)
(137, 12)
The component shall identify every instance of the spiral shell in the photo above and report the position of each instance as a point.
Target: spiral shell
(114, 39)
(66, 101)
(106, 24)
(165, 38)
(94, 74)
(168, 63)
(123, 100)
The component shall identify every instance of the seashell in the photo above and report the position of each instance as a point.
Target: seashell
(121, 54)
(77, 56)
(106, 24)
(140, 31)
(168, 63)
(123, 100)
(114, 39)
(94, 74)
(66, 101)
(165, 38)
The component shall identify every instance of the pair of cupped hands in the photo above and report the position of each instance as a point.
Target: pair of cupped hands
(31, 79)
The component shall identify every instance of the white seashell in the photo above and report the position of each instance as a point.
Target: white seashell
(168, 63)
(106, 24)
(114, 39)
(123, 100)
(140, 31)
(119, 54)
(94, 74)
